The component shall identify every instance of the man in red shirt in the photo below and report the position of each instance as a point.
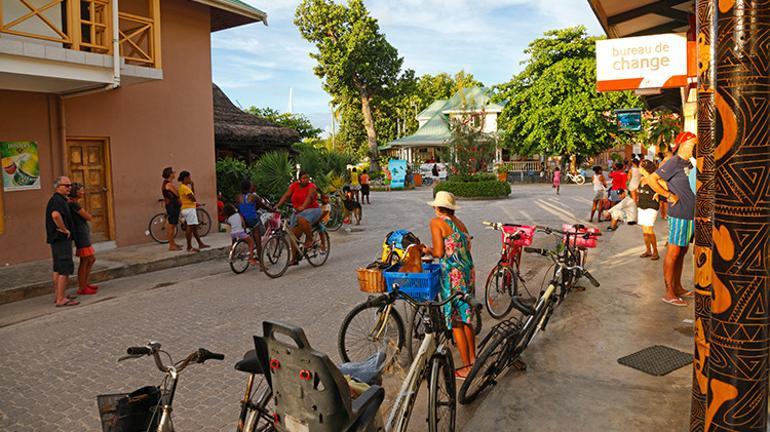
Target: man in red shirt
(304, 199)
(619, 180)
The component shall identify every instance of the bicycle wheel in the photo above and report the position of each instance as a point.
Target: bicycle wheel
(316, 256)
(239, 257)
(499, 290)
(367, 330)
(157, 228)
(335, 219)
(415, 332)
(579, 179)
(276, 255)
(259, 415)
(442, 402)
(204, 222)
(485, 370)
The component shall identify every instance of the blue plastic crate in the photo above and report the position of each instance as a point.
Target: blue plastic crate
(422, 286)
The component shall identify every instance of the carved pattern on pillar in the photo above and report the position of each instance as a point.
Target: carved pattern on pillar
(705, 12)
(738, 351)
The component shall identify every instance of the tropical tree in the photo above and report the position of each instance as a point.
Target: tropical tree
(552, 106)
(660, 127)
(471, 149)
(354, 58)
(298, 122)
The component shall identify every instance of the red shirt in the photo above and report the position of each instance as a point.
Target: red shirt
(619, 179)
(299, 195)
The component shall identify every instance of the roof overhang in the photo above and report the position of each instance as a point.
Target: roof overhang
(630, 18)
(227, 14)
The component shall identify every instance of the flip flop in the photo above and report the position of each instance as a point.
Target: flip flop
(204, 246)
(69, 302)
(645, 255)
(674, 302)
(654, 257)
(687, 294)
(69, 297)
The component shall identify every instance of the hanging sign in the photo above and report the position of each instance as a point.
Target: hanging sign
(644, 62)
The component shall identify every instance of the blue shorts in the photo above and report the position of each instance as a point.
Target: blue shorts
(680, 231)
(312, 215)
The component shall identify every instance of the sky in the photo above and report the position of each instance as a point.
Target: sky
(257, 65)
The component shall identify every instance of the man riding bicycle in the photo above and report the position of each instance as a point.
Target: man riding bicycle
(304, 199)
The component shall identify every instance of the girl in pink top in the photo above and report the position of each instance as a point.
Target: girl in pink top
(557, 179)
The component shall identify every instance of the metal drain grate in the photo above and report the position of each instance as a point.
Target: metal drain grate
(657, 360)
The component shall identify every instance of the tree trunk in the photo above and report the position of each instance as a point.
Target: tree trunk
(371, 133)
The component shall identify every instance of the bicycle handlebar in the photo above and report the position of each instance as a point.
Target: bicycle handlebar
(466, 297)
(153, 349)
(138, 351)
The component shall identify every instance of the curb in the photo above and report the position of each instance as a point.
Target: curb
(37, 289)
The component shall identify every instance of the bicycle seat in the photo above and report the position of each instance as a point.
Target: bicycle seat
(309, 391)
(368, 371)
(250, 363)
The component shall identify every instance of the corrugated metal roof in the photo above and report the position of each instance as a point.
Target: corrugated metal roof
(471, 99)
(434, 132)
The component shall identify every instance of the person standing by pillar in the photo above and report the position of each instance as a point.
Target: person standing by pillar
(58, 226)
(671, 181)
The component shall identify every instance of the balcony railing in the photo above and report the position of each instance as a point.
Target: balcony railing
(86, 25)
(523, 166)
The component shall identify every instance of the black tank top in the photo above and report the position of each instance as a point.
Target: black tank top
(168, 196)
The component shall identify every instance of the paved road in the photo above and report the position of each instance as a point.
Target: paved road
(54, 364)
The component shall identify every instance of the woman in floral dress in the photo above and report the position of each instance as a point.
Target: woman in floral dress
(452, 246)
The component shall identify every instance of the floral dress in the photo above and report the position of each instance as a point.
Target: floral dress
(457, 274)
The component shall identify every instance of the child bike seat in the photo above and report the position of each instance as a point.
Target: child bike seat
(310, 392)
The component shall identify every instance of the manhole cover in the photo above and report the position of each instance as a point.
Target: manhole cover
(657, 360)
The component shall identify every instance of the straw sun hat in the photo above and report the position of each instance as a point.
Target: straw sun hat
(445, 200)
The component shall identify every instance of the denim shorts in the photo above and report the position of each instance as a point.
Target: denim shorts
(312, 215)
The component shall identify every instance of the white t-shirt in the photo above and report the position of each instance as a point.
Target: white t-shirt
(236, 224)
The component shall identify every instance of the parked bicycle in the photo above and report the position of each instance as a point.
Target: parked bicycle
(337, 216)
(576, 178)
(276, 251)
(503, 346)
(158, 224)
(504, 278)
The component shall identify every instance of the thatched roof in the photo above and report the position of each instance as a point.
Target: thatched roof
(235, 128)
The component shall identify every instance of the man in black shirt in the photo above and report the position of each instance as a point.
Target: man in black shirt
(58, 223)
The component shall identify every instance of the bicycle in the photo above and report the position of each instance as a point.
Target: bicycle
(503, 280)
(149, 408)
(257, 403)
(158, 224)
(337, 215)
(503, 346)
(578, 179)
(277, 253)
(238, 257)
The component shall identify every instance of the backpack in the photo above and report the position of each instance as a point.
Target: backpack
(397, 241)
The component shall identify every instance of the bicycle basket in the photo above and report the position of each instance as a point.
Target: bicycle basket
(130, 412)
(527, 233)
(422, 286)
(370, 280)
(578, 240)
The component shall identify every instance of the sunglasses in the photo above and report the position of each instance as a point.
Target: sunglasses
(66, 185)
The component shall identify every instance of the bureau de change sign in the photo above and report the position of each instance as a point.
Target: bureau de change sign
(643, 62)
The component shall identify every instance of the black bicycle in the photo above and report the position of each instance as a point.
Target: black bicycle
(503, 346)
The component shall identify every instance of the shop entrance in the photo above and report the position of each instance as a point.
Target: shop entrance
(89, 164)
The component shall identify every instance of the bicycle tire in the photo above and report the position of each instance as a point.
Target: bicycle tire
(273, 251)
(505, 275)
(239, 257)
(259, 416)
(415, 332)
(485, 369)
(315, 256)
(442, 372)
(579, 179)
(204, 222)
(157, 228)
(346, 336)
(335, 219)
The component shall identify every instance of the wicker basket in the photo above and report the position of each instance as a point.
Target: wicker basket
(371, 280)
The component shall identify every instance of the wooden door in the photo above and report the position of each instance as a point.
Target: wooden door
(89, 165)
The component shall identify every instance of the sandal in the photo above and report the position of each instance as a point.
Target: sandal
(68, 296)
(674, 302)
(69, 302)
(686, 294)
(655, 257)
(645, 255)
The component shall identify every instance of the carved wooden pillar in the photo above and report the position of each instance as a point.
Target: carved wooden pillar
(738, 351)
(705, 14)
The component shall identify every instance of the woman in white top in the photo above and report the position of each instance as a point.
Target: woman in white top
(600, 193)
(635, 178)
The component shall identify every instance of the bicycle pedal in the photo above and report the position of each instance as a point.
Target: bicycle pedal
(519, 365)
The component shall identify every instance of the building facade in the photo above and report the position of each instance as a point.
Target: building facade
(108, 112)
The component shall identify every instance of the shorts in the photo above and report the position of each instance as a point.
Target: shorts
(190, 216)
(627, 215)
(85, 252)
(61, 252)
(355, 187)
(600, 195)
(364, 189)
(680, 231)
(647, 217)
(312, 215)
(239, 236)
(614, 196)
(172, 213)
(387, 182)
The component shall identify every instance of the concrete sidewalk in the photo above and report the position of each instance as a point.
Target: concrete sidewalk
(32, 279)
(573, 381)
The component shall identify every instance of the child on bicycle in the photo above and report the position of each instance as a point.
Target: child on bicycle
(237, 232)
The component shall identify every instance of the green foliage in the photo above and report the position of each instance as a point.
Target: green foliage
(354, 59)
(553, 106)
(298, 122)
(322, 165)
(230, 173)
(660, 127)
(472, 178)
(475, 189)
(272, 174)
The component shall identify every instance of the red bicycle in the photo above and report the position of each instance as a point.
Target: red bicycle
(503, 280)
